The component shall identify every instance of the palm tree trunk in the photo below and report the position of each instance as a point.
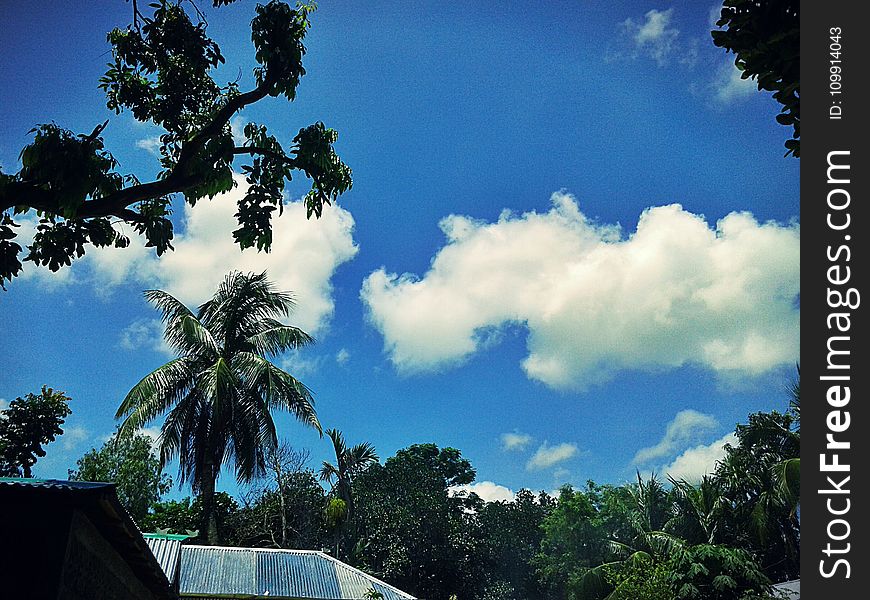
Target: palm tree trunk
(208, 523)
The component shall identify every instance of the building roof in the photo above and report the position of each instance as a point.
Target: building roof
(791, 588)
(99, 502)
(214, 571)
(167, 550)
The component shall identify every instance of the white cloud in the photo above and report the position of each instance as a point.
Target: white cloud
(73, 436)
(342, 356)
(682, 431)
(728, 86)
(303, 259)
(150, 144)
(487, 490)
(4, 404)
(515, 441)
(547, 456)
(674, 292)
(701, 460)
(144, 333)
(237, 127)
(655, 35)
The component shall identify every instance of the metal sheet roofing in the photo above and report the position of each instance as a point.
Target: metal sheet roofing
(791, 589)
(210, 571)
(167, 551)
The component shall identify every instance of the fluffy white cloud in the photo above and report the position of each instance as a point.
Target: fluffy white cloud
(303, 259)
(698, 461)
(515, 441)
(342, 356)
(655, 35)
(728, 86)
(674, 292)
(682, 431)
(487, 490)
(547, 456)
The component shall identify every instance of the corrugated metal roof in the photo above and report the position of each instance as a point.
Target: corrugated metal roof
(792, 589)
(60, 484)
(167, 551)
(257, 572)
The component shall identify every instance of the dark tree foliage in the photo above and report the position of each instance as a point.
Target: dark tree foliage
(26, 426)
(410, 530)
(764, 35)
(290, 516)
(132, 465)
(512, 534)
(161, 72)
(758, 519)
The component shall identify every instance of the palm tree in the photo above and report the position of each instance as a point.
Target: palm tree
(349, 463)
(219, 394)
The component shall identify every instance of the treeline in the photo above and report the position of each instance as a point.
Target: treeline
(728, 536)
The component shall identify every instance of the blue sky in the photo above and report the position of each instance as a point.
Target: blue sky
(570, 251)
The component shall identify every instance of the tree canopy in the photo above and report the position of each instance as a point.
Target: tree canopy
(162, 72)
(26, 426)
(131, 463)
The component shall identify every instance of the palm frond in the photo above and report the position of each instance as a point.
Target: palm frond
(278, 388)
(278, 339)
(156, 393)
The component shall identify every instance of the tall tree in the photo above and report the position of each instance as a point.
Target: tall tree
(131, 463)
(161, 72)
(26, 426)
(411, 530)
(218, 396)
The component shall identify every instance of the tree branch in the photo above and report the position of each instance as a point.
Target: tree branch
(21, 193)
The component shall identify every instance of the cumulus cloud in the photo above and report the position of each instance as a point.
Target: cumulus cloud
(342, 356)
(547, 456)
(674, 292)
(304, 257)
(682, 431)
(728, 85)
(655, 35)
(698, 461)
(515, 441)
(487, 490)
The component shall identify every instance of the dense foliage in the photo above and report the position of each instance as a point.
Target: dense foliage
(131, 463)
(162, 72)
(764, 36)
(725, 537)
(26, 426)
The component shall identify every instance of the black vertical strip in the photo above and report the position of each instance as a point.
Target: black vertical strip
(835, 420)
